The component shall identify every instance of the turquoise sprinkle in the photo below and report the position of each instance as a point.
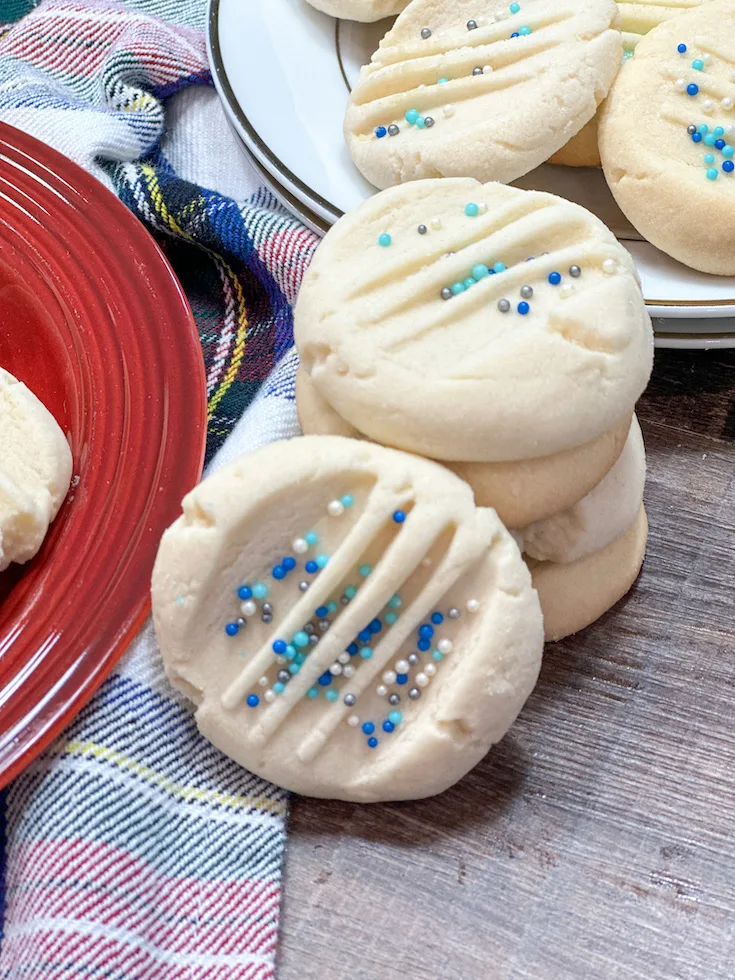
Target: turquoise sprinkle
(499, 267)
(311, 538)
(312, 693)
(279, 688)
(420, 122)
(514, 8)
(480, 271)
(331, 694)
(709, 158)
(391, 618)
(703, 129)
(366, 653)
(712, 174)
(472, 210)
(301, 639)
(299, 658)
(395, 602)
(438, 656)
(331, 608)
(719, 131)
(458, 287)
(260, 591)
(321, 560)
(385, 240)
(350, 591)
(727, 150)
(290, 652)
(710, 139)
(365, 570)
(524, 31)
(294, 668)
(442, 81)
(348, 500)
(411, 116)
(698, 64)
(627, 55)
(469, 282)
(395, 717)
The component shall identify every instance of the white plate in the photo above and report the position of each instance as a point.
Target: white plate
(283, 71)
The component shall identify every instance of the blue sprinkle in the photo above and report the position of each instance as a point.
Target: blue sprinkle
(682, 49)
(244, 593)
(719, 144)
(289, 563)
(376, 626)
(321, 612)
(426, 632)
(364, 636)
(352, 649)
(311, 567)
(401, 678)
(326, 679)
(523, 308)
(728, 166)
(437, 618)
(368, 728)
(380, 132)
(696, 137)
(554, 278)
(399, 517)
(515, 34)
(388, 727)
(423, 644)
(232, 629)
(279, 572)
(279, 646)
(692, 89)
(372, 742)
(253, 701)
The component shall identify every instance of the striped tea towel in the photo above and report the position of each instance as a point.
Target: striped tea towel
(133, 849)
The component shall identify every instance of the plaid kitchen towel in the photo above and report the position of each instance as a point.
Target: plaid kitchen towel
(133, 849)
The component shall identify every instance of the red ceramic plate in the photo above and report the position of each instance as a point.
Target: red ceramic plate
(95, 323)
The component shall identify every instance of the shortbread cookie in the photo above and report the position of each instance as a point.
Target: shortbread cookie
(363, 10)
(521, 492)
(35, 471)
(480, 88)
(346, 620)
(600, 517)
(575, 595)
(667, 139)
(427, 323)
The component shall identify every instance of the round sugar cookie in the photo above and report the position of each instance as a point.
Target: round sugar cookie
(362, 10)
(600, 517)
(474, 323)
(480, 88)
(35, 470)
(575, 595)
(667, 138)
(348, 623)
(521, 492)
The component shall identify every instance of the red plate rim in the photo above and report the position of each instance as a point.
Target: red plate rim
(93, 319)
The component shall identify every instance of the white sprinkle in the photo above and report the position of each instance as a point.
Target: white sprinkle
(269, 696)
(566, 290)
(430, 670)
(487, 69)
(729, 130)
(707, 106)
(381, 690)
(263, 682)
(280, 660)
(680, 84)
(344, 658)
(609, 267)
(248, 608)
(472, 605)
(335, 670)
(421, 679)
(444, 646)
(482, 208)
(300, 546)
(402, 666)
(727, 104)
(348, 671)
(335, 508)
(707, 59)
(426, 562)
(353, 721)
(448, 111)
(389, 677)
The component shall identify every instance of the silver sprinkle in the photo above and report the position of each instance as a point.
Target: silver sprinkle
(350, 700)
(393, 130)
(526, 292)
(414, 694)
(471, 25)
(267, 618)
(477, 71)
(422, 229)
(313, 639)
(425, 33)
(453, 613)
(323, 625)
(428, 121)
(309, 629)
(241, 621)
(267, 608)
(414, 659)
(345, 600)
(691, 129)
(283, 676)
(504, 305)
(574, 271)
(447, 293)
(394, 699)
(303, 586)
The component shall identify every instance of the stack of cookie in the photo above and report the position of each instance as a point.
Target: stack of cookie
(503, 333)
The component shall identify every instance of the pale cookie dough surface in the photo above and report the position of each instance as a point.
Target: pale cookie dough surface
(656, 173)
(362, 10)
(488, 105)
(521, 492)
(458, 379)
(429, 632)
(600, 517)
(35, 471)
(573, 596)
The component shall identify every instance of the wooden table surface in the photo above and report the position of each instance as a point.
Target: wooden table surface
(598, 839)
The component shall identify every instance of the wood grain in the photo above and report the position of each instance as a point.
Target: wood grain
(597, 840)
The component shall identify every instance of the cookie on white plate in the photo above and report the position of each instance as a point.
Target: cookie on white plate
(361, 10)
(667, 138)
(35, 470)
(522, 491)
(474, 323)
(480, 88)
(348, 623)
